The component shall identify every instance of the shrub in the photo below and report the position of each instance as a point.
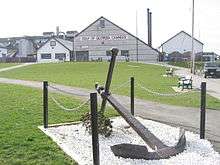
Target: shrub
(104, 123)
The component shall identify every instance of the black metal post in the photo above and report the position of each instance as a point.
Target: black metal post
(132, 95)
(94, 123)
(148, 25)
(203, 110)
(150, 21)
(114, 52)
(45, 103)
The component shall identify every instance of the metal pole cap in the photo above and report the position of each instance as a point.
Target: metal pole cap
(114, 51)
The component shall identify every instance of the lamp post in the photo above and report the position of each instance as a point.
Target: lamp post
(193, 53)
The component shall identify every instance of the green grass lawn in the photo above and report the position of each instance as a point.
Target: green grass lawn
(85, 74)
(21, 142)
(186, 64)
(5, 65)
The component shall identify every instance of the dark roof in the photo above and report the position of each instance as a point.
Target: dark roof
(119, 28)
(178, 34)
(3, 47)
(53, 37)
(24, 37)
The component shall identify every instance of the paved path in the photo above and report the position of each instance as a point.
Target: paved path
(15, 67)
(213, 85)
(173, 115)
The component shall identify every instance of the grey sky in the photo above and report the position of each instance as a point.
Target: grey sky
(32, 17)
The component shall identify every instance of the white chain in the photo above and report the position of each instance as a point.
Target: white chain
(63, 91)
(69, 109)
(121, 85)
(157, 93)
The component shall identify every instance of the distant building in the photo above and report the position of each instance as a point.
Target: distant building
(3, 51)
(25, 47)
(92, 43)
(209, 56)
(96, 41)
(181, 42)
(54, 50)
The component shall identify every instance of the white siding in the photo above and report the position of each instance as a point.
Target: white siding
(3, 51)
(181, 43)
(47, 49)
(98, 40)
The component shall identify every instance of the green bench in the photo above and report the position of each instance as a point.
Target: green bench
(185, 82)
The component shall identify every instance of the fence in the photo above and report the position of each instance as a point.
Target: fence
(47, 88)
(93, 107)
(17, 59)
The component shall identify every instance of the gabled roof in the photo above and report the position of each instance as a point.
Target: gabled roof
(66, 44)
(117, 27)
(3, 47)
(180, 33)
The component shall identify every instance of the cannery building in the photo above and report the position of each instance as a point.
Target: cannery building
(96, 41)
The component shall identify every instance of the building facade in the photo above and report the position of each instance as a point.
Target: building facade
(182, 43)
(25, 47)
(92, 43)
(55, 50)
(96, 41)
(3, 51)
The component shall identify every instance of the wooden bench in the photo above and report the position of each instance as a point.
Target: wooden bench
(169, 72)
(185, 82)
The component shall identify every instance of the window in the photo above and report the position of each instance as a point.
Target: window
(102, 23)
(46, 56)
(125, 53)
(60, 56)
(108, 53)
(52, 43)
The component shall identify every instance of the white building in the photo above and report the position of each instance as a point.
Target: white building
(96, 41)
(3, 51)
(181, 42)
(25, 47)
(54, 50)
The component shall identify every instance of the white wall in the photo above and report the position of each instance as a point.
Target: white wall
(52, 50)
(98, 40)
(3, 51)
(181, 43)
(25, 48)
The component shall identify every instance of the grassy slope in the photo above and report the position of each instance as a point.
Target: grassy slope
(5, 65)
(86, 74)
(21, 142)
(187, 64)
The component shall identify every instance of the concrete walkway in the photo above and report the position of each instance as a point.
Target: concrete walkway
(187, 118)
(15, 67)
(213, 85)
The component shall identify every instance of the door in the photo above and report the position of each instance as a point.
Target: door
(82, 55)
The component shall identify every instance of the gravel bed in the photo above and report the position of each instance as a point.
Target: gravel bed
(77, 143)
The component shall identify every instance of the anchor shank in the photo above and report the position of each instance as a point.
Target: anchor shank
(142, 131)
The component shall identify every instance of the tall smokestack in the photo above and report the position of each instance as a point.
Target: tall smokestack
(149, 26)
(57, 31)
(150, 43)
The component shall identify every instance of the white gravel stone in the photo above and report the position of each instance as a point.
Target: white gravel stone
(77, 143)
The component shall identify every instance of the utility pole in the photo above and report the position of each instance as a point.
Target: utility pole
(193, 53)
(137, 36)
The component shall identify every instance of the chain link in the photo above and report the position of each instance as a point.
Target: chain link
(66, 92)
(69, 109)
(160, 94)
(121, 85)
